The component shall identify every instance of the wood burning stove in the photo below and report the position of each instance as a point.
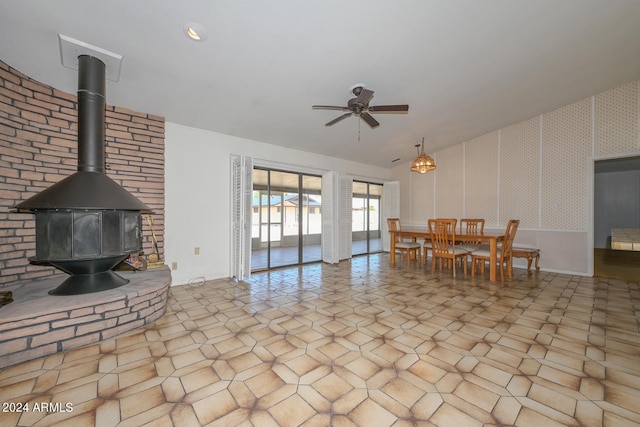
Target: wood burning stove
(87, 224)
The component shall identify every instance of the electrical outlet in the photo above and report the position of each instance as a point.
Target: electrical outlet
(174, 265)
(196, 251)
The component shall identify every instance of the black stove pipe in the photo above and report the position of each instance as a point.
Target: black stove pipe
(91, 110)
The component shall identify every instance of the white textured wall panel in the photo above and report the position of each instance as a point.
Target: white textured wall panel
(563, 251)
(422, 206)
(520, 173)
(449, 182)
(616, 120)
(481, 178)
(406, 197)
(566, 146)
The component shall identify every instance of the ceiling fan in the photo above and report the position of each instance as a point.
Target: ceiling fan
(360, 107)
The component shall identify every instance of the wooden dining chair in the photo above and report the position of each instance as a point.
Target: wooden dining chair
(504, 252)
(406, 247)
(443, 239)
(427, 245)
(471, 226)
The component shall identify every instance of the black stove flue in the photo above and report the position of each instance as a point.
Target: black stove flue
(87, 224)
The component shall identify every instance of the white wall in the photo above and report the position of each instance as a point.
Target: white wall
(539, 170)
(197, 194)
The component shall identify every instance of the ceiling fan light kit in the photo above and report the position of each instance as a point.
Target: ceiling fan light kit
(422, 163)
(360, 107)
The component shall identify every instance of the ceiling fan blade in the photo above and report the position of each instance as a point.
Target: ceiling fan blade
(388, 108)
(336, 120)
(329, 107)
(365, 96)
(369, 119)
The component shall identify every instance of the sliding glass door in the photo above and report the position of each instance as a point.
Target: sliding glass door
(366, 218)
(286, 219)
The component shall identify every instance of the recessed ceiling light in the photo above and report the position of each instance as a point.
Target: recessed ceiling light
(195, 31)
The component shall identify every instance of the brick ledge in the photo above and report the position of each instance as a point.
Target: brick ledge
(37, 324)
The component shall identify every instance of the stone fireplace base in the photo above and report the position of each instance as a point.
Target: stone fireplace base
(37, 324)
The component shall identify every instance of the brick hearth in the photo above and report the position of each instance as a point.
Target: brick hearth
(37, 324)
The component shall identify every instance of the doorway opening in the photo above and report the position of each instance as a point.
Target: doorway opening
(616, 205)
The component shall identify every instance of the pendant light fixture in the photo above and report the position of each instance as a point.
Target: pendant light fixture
(422, 163)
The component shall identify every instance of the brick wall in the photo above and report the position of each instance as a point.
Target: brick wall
(38, 147)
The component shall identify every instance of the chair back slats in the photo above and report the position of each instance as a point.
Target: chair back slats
(443, 234)
(505, 255)
(471, 226)
(443, 239)
(394, 225)
(507, 244)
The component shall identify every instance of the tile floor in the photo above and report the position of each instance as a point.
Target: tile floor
(355, 344)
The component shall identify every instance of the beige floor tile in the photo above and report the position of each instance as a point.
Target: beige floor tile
(560, 377)
(108, 414)
(198, 379)
(506, 410)
(140, 402)
(403, 391)
(476, 395)
(530, 418)
(613, 418)
(448, 415)
(331, 387)
(393, 406)
(553, 399)
(542, 410)
(369, 413)
(263, 418)
(292, 411)
(503, 356)
(316, 400)
(173, 389)
(184, 359)
(108, 386)
(45, 381)
(302, 364)
(214, 406)
(276, 396)
(237, 417)
(589, 414)
(621, 396)
(136, 375)
(183, 415)
(493, 374)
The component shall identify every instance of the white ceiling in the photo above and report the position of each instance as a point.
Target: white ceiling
(465, 67)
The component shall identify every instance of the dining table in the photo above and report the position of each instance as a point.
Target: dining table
(492, 237)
